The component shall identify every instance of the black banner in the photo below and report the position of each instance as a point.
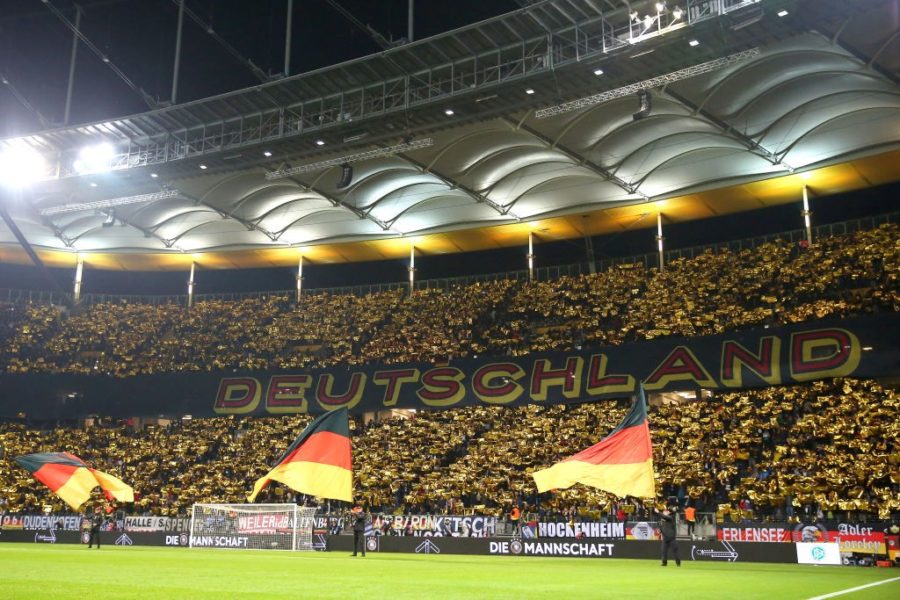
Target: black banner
(571, 548)
(864, 347)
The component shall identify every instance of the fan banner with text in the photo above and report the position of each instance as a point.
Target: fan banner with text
(862, 347)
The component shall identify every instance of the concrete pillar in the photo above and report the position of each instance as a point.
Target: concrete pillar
(807, 216)
(659, 241)
(530, 256)
(299, 278)
(412, 269)
(79, 272)
(191, 285)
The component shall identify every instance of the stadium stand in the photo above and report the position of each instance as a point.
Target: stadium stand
(714, 292)
(777, 452)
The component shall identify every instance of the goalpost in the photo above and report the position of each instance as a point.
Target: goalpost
(252, 526)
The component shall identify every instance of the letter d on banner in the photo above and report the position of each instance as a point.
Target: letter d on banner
(237, 396)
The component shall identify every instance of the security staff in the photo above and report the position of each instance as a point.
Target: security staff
(690, 515)
(667, 532)
(96, 523)
(359, 531)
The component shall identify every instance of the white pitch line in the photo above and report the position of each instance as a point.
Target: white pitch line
(854, 589)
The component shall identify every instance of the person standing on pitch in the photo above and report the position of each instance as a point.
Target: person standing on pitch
(359, 531)
(96, 523)
(690, 515)
(667, 532)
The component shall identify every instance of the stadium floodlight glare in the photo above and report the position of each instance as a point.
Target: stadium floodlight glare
(109, 203)
(693, 43)
(320, 142)
(448, 112)
(529, 91)
(647, 84)
(96, 158)
(351, 158)
(598, 72)
(267, 154)
(676, 13)
(21, 166)
(782, 13)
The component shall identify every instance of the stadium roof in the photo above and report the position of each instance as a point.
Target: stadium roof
(762, 104)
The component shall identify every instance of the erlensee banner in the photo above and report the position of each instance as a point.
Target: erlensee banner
(764, 357)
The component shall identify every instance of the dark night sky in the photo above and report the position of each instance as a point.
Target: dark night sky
(139, 37)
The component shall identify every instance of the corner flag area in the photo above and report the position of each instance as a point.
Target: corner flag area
(63, 572)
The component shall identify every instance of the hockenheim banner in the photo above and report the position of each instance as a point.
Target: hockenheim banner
(863, 347)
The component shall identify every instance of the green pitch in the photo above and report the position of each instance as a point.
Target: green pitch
(64, 571)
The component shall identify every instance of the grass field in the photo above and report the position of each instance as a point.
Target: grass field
(63, 571)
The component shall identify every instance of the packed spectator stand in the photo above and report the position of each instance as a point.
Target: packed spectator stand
(829, 446)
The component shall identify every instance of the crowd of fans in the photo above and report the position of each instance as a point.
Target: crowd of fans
(772, 284)
(775, 452)
(829, 446)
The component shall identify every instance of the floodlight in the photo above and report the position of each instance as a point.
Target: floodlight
(95, 159)
(20, 166)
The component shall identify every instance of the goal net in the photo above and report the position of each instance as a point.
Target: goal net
(252, 526)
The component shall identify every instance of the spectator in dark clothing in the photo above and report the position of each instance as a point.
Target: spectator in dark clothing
(667, 532)
(359, 531)
(96, 523)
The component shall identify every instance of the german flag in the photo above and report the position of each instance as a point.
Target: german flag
(318, 462)
(621, 463)
(72, 479)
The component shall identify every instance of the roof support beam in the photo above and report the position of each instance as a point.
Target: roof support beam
(751, 144)
(250, 225)
(581, 160)
(335, 201)
(10, 222)
(257, 72)
(477, 197)
(148, 100)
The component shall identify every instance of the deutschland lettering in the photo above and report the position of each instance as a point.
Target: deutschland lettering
(758, 358)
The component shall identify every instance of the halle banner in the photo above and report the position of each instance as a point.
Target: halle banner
(862, 347)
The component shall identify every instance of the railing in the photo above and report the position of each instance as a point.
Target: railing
(648, 260)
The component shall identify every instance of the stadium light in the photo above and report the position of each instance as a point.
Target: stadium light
(20, 166)
(95, 159)
(693, 43)
(782, 13)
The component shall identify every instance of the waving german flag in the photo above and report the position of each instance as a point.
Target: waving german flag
(318, 462)
(621, 463)
(72, 479)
